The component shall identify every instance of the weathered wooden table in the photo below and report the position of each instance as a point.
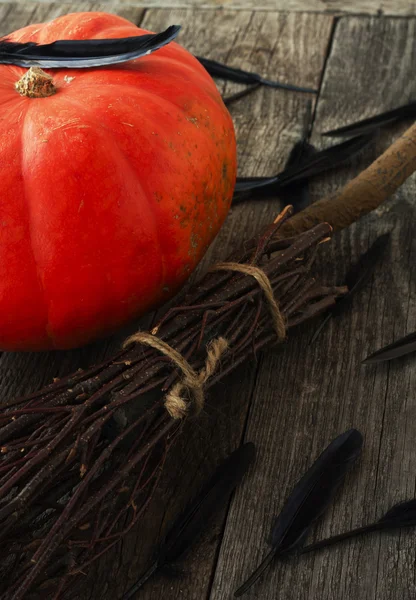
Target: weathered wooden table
(292, 401)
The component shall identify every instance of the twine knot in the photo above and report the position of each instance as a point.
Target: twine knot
(190, 389)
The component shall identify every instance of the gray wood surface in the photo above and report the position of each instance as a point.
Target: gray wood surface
(267, 125)
(292, 402)
(16, 15)
(305, 396)
(336, 7)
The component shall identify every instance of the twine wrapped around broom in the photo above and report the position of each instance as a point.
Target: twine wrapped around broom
(72, 471)
(193, 382)
(80, 458)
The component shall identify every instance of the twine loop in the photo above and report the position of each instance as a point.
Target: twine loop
(264, 282)
(191, 386)
(190, 389)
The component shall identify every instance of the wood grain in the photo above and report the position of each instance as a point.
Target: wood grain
(295, 400)
(266, 126)
(305, 396)
(16, 15)
(336, 7)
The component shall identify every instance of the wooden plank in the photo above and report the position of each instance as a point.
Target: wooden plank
(336, 7)
(305, 396)
(16, 15)
(269, 122)
(266, 126)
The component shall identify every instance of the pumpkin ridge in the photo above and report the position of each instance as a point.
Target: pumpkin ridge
(154, 94)
(27, 33)
(138, 183)
(146, 193)
(143, 92)
(104, 33)
(201, 71)
(26, 191)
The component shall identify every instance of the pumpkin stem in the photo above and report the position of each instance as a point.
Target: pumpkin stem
(35, 83)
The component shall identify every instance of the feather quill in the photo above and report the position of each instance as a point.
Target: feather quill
(189, 527)
(228, 100)
(402, 347)
(356, 278)
(79, 54)
(221, 71)
(309, 499)
(311, 165)
(399, 516)
(407, 111)
(297, 194)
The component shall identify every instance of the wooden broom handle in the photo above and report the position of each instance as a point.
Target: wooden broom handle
(364, 193)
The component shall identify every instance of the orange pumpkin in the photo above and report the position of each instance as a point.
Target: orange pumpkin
(111, 189)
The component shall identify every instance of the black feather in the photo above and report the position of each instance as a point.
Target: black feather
(309, 499)
(408, 111)
(221, 71)
(311, 165)
(361, 271)
(301, 150)
(249, 184)
(401, 347)
(213, 498)
(400, 515)
(78, 54)
(228, 100)
(356, 278)
(297, 194)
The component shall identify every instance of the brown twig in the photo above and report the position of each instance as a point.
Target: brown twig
(94, 441)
